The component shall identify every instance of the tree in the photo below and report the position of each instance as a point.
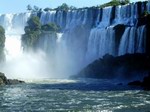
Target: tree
(47, 9)
(50, 27)
(32, 33)
(34, 23)
(63, 7)
(123, 2)
(72, 8)
(29, 8)
(36, 8)
(34, 30)
(115, 3)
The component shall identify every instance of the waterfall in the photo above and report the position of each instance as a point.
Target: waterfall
(14, 27)
(86, 35)
(69, 52)
(141, 40)
(123, 48)
(148, 7)
(133, 41)
(101, 42)
(19, 64)
(106, 17)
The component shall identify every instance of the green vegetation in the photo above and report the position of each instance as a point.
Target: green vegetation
(34, 23)
(115, 3)
(50, 27)
(145, 13)
(47, 9)
(34, 30)
(65, 7)
(29, 8)
(2, 43)
(33, 9)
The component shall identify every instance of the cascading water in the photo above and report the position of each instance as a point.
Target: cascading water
(68, 55)
(82, 43)
(101, 42)
(19, 64)
(133, 41)
(106, 17)
(87, 34)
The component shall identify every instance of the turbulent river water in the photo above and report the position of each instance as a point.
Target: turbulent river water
(73, 96)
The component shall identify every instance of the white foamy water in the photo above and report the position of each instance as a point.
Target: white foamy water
(12, 46)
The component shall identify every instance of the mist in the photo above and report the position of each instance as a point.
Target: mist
(51, 59)
(39, 64)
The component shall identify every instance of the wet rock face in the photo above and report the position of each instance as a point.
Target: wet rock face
(127, 66)
(5, 81)
(135, 83)
(14, 81)
(145, 83)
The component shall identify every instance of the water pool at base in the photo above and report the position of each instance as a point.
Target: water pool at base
(73, 96)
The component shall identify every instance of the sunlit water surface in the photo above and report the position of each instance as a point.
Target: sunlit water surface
(73, 96)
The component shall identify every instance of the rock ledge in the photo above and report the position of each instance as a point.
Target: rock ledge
(5, 81)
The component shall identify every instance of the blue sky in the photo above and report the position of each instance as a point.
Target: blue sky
(15, 6)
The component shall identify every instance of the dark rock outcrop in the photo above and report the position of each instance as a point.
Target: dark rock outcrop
(145, 84)
(14, 81)
(119, 30)
(127, 66)
(135, 83)
(5, 81)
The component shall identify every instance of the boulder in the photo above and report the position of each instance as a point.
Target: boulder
(135, 83)
(14, 81)
(145, 84)
(5, 81)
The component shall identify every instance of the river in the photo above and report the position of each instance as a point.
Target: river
(73, 96)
